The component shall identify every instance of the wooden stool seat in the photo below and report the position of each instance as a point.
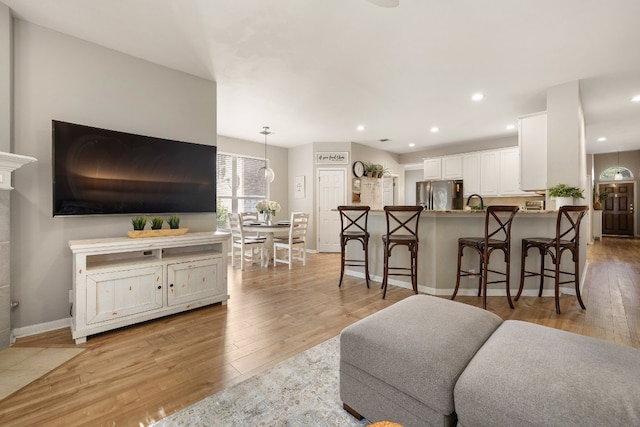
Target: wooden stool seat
(497, 236)
(402, 230)
(353, 221)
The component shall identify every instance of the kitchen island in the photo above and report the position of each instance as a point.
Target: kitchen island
(438, 252)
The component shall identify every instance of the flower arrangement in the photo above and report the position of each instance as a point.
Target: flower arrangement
(270, 207)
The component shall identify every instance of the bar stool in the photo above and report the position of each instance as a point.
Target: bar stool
(353, 220)
(402, 230)
(567, 238)
(497, 236)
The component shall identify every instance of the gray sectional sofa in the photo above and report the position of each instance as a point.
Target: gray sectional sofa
(427, 361)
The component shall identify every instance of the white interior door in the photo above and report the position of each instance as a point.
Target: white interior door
(331, 194)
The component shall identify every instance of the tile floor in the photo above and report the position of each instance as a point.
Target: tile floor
(23, 365)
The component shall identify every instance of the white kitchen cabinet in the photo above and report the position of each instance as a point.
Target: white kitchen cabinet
(510, 173)
(471, 173)
(433, 168)
(122, 281)
(532, 139)
(452, 167)
(489, 172)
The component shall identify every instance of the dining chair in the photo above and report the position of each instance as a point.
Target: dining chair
(402, 230)
(567, 238)
(353, 223)
(296, 241)
(497, 236)
(250, 217)
(247, 246)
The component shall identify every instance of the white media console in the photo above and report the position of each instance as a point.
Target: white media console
(122, 281)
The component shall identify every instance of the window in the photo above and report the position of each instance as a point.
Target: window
(609, 174)
(240, 185)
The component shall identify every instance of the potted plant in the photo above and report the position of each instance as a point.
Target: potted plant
(139, 222)
(369, 169)
(378, 170)
(156, 222)
(174, 222)
(598, 199)
(565, 194)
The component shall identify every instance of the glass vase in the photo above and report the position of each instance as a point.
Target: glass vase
(268, 218)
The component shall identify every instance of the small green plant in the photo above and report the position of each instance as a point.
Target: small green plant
(156, 222)
(139, 222)
(173, 221)
(563, 190)
(369, 169)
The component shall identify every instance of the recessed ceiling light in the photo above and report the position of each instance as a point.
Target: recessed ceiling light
(636, 98)
(360, 128)
(602, 139)
(412, 145)
(477, 97)
(511, 127)
(435, 129)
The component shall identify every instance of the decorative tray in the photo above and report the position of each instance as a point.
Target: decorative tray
(134, 234)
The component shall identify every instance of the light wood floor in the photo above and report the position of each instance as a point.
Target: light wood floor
(139, 374)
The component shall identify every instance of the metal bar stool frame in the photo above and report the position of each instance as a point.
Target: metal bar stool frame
(402, 230)
(354, 223)
(485, 246)
(566, 239)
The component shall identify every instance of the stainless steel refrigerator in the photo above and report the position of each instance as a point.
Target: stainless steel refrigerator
(439, 195)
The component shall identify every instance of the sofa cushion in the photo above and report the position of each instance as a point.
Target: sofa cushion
(419, 346)
(532, 375)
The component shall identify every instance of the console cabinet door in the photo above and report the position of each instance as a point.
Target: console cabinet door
(194, 280)
(116, 294)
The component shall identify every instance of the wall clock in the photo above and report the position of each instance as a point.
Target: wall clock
(358, 169)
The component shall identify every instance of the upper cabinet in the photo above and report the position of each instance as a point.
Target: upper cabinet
(532, 138)
(433, 168)
(446, 167)
(489, 173)
(471, 173)
(492, 173)
(452, 167)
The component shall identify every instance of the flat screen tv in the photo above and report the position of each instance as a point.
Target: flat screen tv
(100, 171)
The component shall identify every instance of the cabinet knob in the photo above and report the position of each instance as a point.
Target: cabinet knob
(171, 285)
(159, 286)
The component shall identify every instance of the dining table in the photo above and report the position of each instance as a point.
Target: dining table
(268, 230)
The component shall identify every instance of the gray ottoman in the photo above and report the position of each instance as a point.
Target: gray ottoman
(532, 375)
(401, 364)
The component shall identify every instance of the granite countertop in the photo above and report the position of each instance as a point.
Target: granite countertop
(476, 211)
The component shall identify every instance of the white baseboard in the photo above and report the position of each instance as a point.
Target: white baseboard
(40, 328)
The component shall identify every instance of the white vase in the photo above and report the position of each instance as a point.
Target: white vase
(563, 201)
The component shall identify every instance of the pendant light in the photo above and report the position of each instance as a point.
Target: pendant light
(266, 171)
(618, 175)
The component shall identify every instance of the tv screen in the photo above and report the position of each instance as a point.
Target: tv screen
(100, 171)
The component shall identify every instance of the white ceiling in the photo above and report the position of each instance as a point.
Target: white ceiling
(313, 70)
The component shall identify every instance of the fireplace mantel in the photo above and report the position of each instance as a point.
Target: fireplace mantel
(8, 163)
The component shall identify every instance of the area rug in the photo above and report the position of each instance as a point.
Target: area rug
(20, 366)
(301, 391)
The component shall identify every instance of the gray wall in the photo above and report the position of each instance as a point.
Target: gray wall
(64, 78)
(5, 138)
(301, 164)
